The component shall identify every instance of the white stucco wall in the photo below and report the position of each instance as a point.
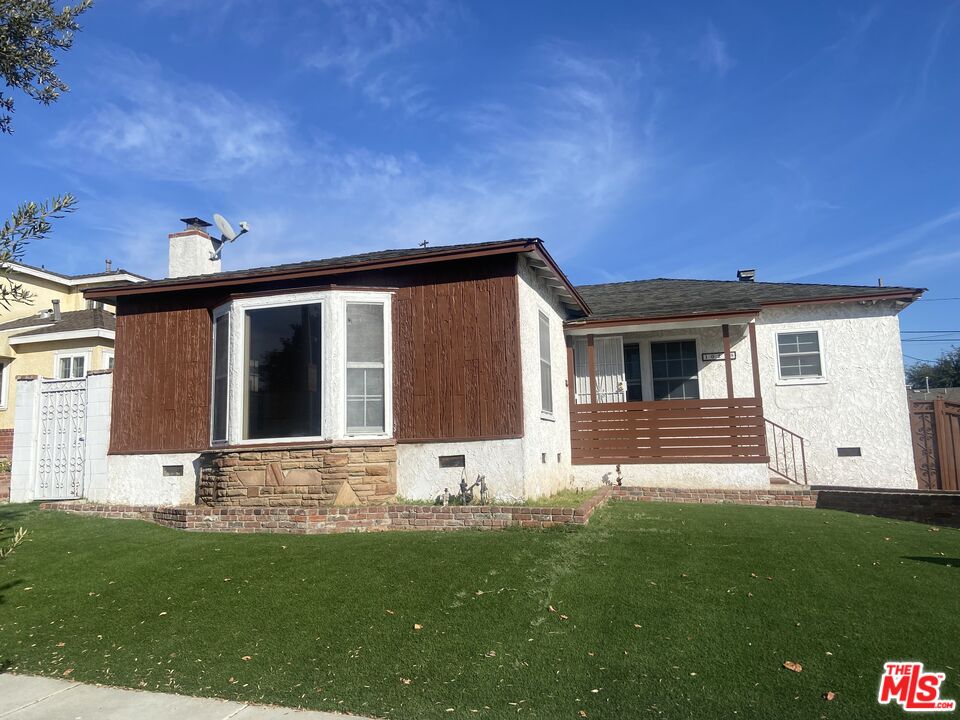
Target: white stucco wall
(139, 480)
(676, 475)
(862, 401)
(26, 424)
(546, 436)
(712, 375)
(420, 477)
(190, 255)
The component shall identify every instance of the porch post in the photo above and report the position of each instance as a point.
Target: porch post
(754, 358)
(727, 362)
(592, 368)
(571, 378)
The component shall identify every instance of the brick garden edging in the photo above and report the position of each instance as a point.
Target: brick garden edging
(939, 508)
(325, 520)
(774, 496)
(374, 518)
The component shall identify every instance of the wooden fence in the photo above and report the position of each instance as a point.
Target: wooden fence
(936, 443)
(668, 431)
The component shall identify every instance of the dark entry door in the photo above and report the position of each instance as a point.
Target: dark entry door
(631, 366)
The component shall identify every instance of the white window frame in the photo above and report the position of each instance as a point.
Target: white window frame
(218, 313)
(105, 357)
(85, 354)
(4, 382)
(365, 298)
(820, 379)
(333, 312)
(545, 412)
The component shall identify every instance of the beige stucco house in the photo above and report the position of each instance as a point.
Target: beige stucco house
(58, 334)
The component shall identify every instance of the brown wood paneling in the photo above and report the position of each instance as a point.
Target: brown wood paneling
(456, 330)
(161, 397)
(456, 354)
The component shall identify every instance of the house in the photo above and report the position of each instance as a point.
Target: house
(398, 373)
(59, 334)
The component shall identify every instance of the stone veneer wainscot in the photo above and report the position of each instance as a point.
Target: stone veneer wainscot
(298, 476)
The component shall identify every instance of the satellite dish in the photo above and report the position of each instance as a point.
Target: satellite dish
(227, 233)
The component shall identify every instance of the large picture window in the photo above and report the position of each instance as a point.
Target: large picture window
(365, 368)
(799, 354)
(282, 376)
(675, 370)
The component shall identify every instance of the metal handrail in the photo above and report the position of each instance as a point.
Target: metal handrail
(784, 460)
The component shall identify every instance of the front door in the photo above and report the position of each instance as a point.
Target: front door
(63, 424)
(631, 361)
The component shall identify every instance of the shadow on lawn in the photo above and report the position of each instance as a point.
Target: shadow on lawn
(945, 561)
(8, 586)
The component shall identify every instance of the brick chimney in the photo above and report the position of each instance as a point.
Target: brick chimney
(192, 250)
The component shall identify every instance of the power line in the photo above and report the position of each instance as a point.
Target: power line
(937, 299)
(924, 332)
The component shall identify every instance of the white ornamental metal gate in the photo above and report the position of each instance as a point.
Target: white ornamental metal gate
(63, 425)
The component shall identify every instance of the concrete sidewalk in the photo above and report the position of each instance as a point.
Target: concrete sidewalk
(27, 697)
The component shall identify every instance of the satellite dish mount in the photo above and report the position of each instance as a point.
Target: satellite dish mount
(227, 234)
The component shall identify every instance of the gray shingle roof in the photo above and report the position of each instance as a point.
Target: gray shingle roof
(69, 322)
(664, 297)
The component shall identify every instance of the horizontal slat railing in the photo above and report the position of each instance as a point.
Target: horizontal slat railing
(723, 430)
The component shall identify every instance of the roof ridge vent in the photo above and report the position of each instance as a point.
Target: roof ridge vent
(746, 275)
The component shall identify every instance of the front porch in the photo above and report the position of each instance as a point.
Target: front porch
(668, 393)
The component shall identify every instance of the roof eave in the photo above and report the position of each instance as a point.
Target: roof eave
(652, 319)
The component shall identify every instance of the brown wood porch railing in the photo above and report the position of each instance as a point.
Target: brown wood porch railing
(668, 431)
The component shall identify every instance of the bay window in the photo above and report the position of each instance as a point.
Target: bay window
(302, 366)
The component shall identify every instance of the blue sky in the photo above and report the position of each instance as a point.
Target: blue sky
(816, 141)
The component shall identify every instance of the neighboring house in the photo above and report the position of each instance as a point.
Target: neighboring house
(59, 334)
(396, 373)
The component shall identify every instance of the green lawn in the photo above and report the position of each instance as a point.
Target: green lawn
(661, 611)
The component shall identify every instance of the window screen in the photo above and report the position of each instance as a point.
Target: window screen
(365, 368)
(546, 381)
(221, 338)
(283, 372)
(799, 355)
(675, 370)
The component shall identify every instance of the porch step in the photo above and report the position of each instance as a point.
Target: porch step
(777, 480)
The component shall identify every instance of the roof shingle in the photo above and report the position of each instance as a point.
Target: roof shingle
(664, 297)
(95, 319)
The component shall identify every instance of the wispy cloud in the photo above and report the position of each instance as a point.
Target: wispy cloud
(905, 238)
(366, 43)
(712, 53)
(172, 128)
(551, 154)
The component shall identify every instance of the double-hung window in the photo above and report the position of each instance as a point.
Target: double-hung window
(799, 355)
(365, 368)
(546, 372)
(71, 366)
